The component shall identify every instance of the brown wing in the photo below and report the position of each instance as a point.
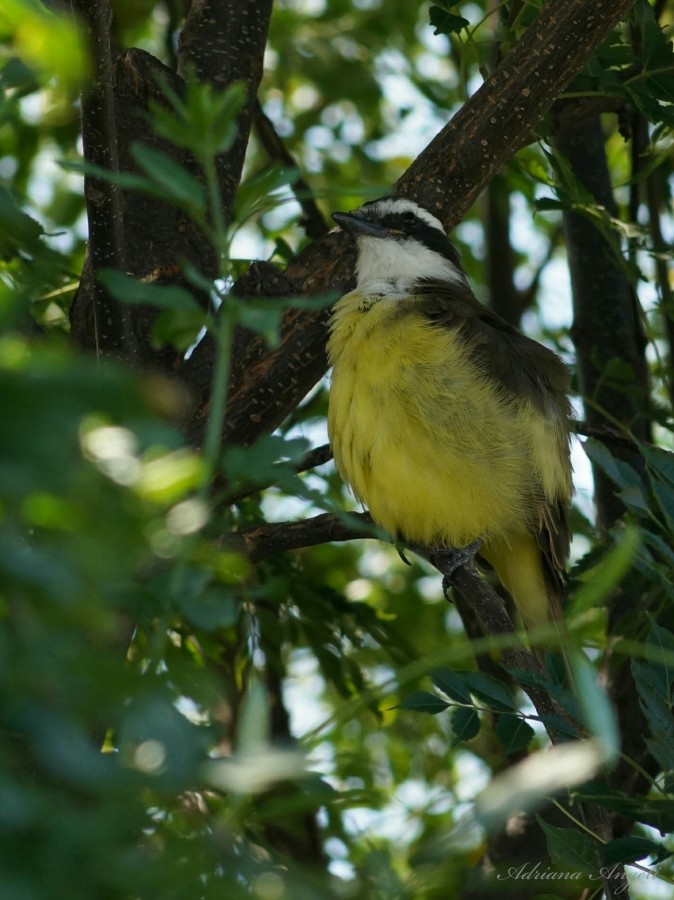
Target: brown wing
(524, 369)
(519, 364)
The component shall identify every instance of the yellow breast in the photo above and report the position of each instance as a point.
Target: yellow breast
(434, 448)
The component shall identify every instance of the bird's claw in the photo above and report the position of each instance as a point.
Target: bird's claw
(448, 559)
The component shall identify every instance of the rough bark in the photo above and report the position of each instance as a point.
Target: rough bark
(223, 41)
(450, 173)
(504, 297)
(163, 238)
(107, 329)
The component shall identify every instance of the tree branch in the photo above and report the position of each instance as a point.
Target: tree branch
(312, 220)
(451, 172)
(224, 41)
(606, 322)
(504, 298)
(112, 330)
(163, 235)
(261, 541)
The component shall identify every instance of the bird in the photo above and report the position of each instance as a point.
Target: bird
(450, 426)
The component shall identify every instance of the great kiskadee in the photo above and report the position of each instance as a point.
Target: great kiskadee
(449, 425)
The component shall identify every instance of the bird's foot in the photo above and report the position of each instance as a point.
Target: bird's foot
(400, 547)
(448, 559)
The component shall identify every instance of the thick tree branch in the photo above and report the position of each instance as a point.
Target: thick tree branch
(224, 42)
(606, 322)
(450, 173)
(164, 238)
(111, 330)
(504, 298)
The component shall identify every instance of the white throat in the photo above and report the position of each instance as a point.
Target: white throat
(392, 267)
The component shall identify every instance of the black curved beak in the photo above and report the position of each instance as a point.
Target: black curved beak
(354, 223)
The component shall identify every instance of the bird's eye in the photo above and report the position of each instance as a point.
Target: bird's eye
(409, 220)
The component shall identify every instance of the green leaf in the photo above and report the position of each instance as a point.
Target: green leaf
(656, 48)
(630, 849)
(490, 691)
(17, 228)
(598, 582)
(423, 701)
(645, 563)
(654, 681)
(660, 545)
(664, 494)
(271, 460)
(446, 23)
(283, 250)
(596, 709)
(545, 204)
(557, 691)
(179, 186)
(465, 725)
(664, 639)
(253, 731)
(218, 111)
(129, 180)
(179, 328)
(513, 733)
(561, 726)
(15, 73)
(168, 477)
(569, 849)
(620, 472)
(634, 499)
(262, 317)
(654, 811)
(453, 684)
(129, 290)
(211, 610)
(204, 120)
(260, 192)
(660, 462)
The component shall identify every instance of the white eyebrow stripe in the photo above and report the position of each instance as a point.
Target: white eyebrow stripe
(402, 204)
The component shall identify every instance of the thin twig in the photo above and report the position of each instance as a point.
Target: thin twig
(262, 541)
(606, 434)
(312, 218)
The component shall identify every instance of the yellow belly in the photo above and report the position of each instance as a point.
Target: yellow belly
(426, 442)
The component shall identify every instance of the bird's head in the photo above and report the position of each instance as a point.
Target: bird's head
(399, 243)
